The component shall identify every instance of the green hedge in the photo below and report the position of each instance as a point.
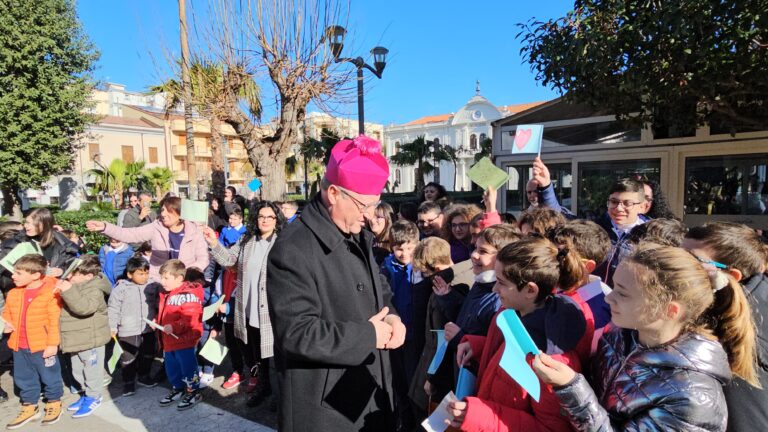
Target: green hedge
(75, 221)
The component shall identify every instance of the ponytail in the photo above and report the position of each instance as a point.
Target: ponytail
(538, 260)
(731, 321)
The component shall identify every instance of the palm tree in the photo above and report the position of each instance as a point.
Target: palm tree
(111, 180)
(486, 149)
(159, 179)
(134, 175)
(419, 152)
(207, 82)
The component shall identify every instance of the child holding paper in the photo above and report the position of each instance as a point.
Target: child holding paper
(85, 330)
(527, 273)
(684, 327)
(180, 315)
(31, 317)
(211, 327)
(432, 300)
(132, 302)
(482, 302)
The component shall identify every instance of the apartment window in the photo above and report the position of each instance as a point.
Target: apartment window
(726, 185)
(93, 150)
(473, 142)
(596, 178)
(182, 140)
(127, 154)
(153, 155)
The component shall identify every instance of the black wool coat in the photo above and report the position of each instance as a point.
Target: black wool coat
(322, 288)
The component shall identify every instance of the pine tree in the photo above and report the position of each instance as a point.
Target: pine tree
(46, 63)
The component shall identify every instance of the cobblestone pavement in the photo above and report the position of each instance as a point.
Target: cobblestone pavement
(220, 409)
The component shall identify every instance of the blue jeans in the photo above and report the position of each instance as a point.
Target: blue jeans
(181, 368)
(29, 371)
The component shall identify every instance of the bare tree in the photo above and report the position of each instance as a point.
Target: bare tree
(284, 40)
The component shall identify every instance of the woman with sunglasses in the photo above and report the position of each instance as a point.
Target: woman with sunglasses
(249, 335)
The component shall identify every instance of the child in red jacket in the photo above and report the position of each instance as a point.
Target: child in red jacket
(180, 315)
(527, 273)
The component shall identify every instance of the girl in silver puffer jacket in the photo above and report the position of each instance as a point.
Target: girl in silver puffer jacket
(663, 368)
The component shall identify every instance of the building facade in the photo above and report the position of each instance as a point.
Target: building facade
(463, 130)
(705, 173)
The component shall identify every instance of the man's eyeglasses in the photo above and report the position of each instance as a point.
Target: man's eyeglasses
(266, 218)
(361, 206)
(423, 223)
(462, 225)
(613, 203)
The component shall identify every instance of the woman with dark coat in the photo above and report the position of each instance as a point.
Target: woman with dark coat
(57, 249)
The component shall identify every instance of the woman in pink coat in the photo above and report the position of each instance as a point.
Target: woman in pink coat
(170, 236)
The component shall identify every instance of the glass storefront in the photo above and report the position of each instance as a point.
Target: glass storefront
(726, 185)
(520, 174)
(596, 178)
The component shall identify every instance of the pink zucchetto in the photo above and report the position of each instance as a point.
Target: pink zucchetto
(358, 165)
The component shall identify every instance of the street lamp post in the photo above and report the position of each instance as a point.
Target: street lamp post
(335, 37)
(434, 147)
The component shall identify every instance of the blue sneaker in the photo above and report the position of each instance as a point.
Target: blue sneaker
(76, 405)
(87, 408)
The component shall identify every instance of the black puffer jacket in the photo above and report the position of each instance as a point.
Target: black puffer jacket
(59, 254)
(747, 405)
(676, 386)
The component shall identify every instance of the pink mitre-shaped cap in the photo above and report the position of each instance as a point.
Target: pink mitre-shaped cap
(358, 165)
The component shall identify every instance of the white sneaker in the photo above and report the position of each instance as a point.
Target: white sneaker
(206, 380)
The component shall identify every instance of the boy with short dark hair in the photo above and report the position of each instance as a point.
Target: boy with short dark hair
(625, 199)
(404, 235)
(231, 234)
(85, 330)
(132, 301)
(31, 316)
(180, 315)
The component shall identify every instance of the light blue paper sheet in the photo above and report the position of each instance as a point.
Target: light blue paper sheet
(518, 343)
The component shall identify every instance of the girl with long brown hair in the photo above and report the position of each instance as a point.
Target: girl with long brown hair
(683, 329)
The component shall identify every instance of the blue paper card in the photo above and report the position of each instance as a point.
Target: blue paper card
(442, 345)
(518, 343)
(528, 139)
(466, 384)
(254, 184)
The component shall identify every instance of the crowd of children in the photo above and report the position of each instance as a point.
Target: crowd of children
(640, 323)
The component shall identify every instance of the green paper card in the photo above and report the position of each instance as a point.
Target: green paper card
(485, 174)
(210, 310)
(194, 211)
(214, 351)
(19, 251)
(117, 351)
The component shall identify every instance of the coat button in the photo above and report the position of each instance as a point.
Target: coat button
(360, 287)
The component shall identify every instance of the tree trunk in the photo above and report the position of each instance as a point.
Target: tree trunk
(11, 204)
(218, 159)
(187, 88)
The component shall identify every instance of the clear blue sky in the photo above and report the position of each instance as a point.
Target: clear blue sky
(437, 50)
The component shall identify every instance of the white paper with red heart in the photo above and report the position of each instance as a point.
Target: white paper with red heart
(528, 139)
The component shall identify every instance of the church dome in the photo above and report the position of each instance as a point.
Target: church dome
(477, 110)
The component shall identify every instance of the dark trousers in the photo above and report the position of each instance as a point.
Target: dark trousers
(138, 355)
(235, 346)
(30, 370)
(181, 368)
(404, 362)
(252, 351)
